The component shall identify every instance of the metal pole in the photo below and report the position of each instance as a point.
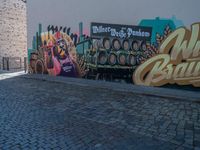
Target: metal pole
(8, 63)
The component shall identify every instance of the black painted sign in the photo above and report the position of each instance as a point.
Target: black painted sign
(99, 30)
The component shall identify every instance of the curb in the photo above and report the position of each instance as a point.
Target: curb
(172, 94)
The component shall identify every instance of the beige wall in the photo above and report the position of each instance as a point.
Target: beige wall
(13, 29)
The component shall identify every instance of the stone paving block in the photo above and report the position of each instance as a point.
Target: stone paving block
(197, 143)
(188, 146)
(196, 148)
(68, 117)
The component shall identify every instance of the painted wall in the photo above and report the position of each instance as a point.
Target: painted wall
(13, 30)
(173, 59)
(71, 12)
(56, 56)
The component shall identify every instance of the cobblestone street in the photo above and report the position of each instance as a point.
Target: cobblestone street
(37, 114)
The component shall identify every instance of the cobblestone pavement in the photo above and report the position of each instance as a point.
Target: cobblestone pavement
(37, 114)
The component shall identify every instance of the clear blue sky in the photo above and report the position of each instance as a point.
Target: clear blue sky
(71, 12)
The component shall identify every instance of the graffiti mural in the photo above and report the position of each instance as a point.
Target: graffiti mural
(144, 55)
(111, 52)
(57, 56)
(178, 60)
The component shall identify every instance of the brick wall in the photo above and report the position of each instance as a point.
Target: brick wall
(13, 29)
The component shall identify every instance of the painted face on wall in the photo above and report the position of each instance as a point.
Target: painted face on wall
(61, 47)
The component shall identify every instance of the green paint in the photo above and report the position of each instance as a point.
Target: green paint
(158, 26)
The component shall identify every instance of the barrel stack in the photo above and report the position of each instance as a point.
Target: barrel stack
(114, 51)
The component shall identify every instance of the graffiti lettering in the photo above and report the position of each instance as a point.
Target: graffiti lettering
(178, 61)
(183, 44)
(24, 1)
(54, 29)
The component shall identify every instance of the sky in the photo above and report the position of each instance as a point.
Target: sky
(70, 12)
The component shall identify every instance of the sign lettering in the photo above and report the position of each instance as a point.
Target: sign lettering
(120, 31)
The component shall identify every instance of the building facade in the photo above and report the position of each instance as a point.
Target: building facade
(13, 33)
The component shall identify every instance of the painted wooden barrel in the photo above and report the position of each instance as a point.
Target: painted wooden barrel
(102, 57)
(96, 43)
(131, 60)
(122, 58)
(32, 64)
(143, 46)
(39, 67)
(135, 46)
(112, 59)
(116, 44)
(126, 45)
(106, 43)
(34, 57)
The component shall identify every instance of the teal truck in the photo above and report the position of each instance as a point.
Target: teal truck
(111, 50)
